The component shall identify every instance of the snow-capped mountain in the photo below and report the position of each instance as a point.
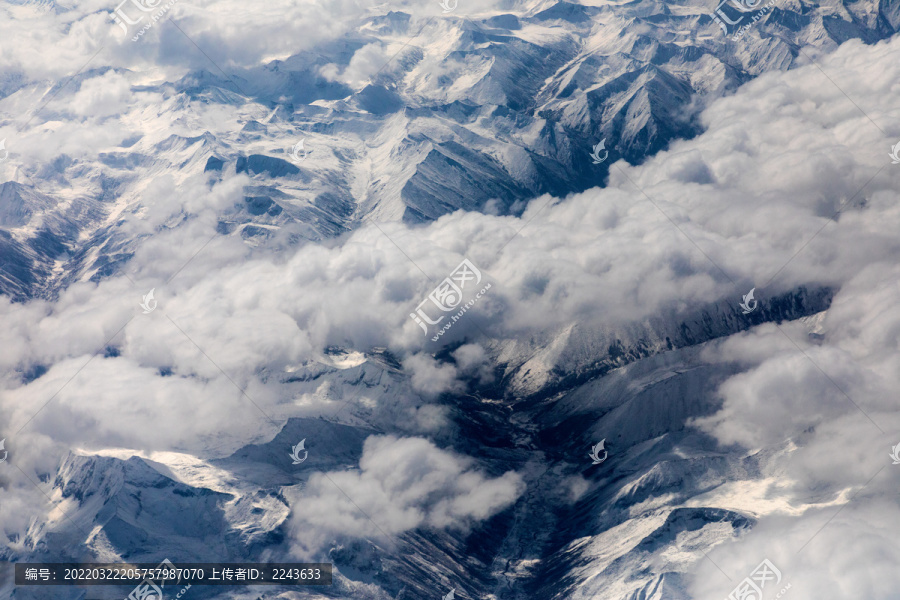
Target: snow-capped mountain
(631, 527)
(478, 111)
(319, 191)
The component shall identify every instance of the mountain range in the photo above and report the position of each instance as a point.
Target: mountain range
(481, 112)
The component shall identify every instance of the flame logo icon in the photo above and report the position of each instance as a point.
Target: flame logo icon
(295, 452)
(445, 4)
(596, 153)
(895, 153)
(149, 304)
(451, 595)
(746, 304)
(296, 149)
(895, 453)
(4, 153)
(5, 453)
(596, 450)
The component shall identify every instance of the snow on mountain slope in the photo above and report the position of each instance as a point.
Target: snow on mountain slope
(459, 464)
(588, 352)
(631, 527)
(479, 109)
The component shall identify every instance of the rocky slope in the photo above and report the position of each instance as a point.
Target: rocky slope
(478, 111)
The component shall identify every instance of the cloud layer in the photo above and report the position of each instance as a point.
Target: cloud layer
(751, 199)
(835, 408)
(402, 484)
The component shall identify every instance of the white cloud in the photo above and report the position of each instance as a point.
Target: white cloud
(101, 96)
(836, 476)
(366, 62)
(855, 555)
(777, 160)
(402, 484)
(430, 378)
(595, 260)
(785, 395)
(473, 360)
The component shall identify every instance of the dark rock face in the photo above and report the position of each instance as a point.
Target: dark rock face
(273, 167)
(214, 164)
